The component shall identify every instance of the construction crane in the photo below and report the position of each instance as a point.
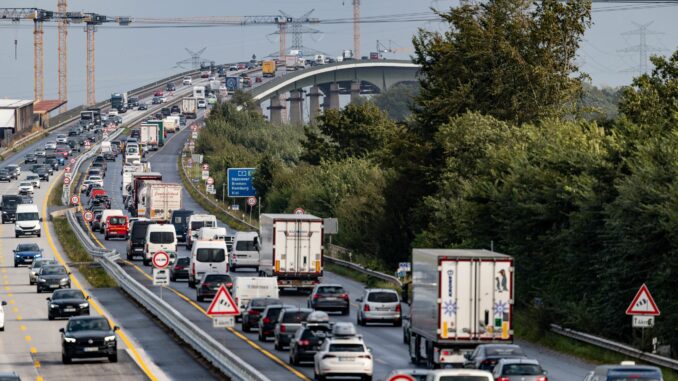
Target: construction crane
(62, 7)
(356, 29)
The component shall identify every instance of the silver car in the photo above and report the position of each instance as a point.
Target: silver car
(35, 268)
(517, 369)
(378, 305)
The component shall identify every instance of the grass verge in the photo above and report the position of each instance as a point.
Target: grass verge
(96, 276)
(367, 280)
(21, 146)
(55, 195)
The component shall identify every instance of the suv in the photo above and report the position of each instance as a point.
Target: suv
(268, 319)
(8, 206)
(309, 337)
(329, 297)
(289, 322)
(343, 356)
(627, 370)
(519, 370)
(88, 336)
(486, 356)
(26, 254)
(379, 305)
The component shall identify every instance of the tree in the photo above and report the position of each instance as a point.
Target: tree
(398, 101)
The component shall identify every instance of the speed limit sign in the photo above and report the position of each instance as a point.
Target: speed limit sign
(75, 200)
(73, 161)
(88, 216)
(67, 169)
(251, 201)
(67, 180)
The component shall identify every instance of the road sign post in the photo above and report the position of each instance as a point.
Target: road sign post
(643, 309)
(223, 309)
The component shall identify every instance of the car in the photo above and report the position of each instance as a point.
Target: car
(26, 199)
(101, 167)
(39, 152)
(98, 180)
(379, 305)
(50, 145)
(329, 297)
(156, 100)
(626, 370)
(25, 187)
(519, 369)
(309, 337)
(116, 226)
(486, 356)
(132, 102)
(413, 374)
(242, 66)
(202, 103)
(36, 266)
(251, 313)
(2, 322)
(175, 110)
(233, 68)
(268, 319)
(88, 336)
(61, 138)
(210, 284)
(121, 109)
(26, 254)
(211, 99)
(170, 86)
(52, 277)
(112, 112)
(95, 225)
(165, 111)
(85, 184)
(5, 175)
(52, 163)
(205, 74)
(73, 132)
(30, 158)
(96, 171)
(187, 81)
(137, 238)
(14, 170)
(67, 302)
(343, 356)
(35, 180)
(142, 106)
(459, 374)
(61, 152)
(289, 321)
(179, 270)
(158, 93)
(43, 173)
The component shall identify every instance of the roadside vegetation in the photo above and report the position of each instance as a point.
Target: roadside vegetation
(56, 194)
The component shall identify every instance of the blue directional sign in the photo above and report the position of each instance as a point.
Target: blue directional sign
(240, 182)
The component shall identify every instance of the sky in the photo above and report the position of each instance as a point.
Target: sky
(129, 57)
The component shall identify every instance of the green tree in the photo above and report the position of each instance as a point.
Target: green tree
(398, 101)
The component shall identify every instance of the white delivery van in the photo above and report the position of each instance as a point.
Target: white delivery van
(245, 251)
(207, 257)
(197, 222)
(246, 288)
(104, 217)
(212, 234)
(159, 237)
(27, 220)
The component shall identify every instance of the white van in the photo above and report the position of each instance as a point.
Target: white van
(212, 234)
(104, 217)
(159, 237)
(246, 288)
(195, 223)
(27, 220)
(245, 251)
(207, 257)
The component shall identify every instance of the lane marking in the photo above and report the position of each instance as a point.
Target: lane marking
(27, 338)
(22, 327)
(18, 317)
(34, 350)
(93, 303)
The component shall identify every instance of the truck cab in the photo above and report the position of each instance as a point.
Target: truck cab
(245, 251)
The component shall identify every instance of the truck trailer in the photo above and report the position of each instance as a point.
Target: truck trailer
(189, 107)
(161, 200)
(460, 299)
(148, 135)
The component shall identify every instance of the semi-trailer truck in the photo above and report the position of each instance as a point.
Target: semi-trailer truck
(268, 68)
(189, 107)
(161, 200)
(460, 299)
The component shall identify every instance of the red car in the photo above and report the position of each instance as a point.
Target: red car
(205, 74)
(158, 93)
(62, 152)
(116, 226)
(242, 66)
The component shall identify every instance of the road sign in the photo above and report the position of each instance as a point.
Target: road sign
(194, 135)
(75, 200)
(67, 180)
(223, 304)
(299, 211)
(239, 182)
(194, 127)
(205, 175)
(235, 207)
(251, 201)
(210, 181)
(223, 322)
(643, 303)
(87, 144)
(67, 169)
(643, 321)
(405, 267)
(205, 167)
(73, 161)
(401, 377)
(210, 189)
(69, 175)
(161, 277)
(88, 216)
(160, 260)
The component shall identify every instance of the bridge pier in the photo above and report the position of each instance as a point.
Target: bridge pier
(334, 97)
(355, 91)
(276, 110)
(314, 102)
(297, 107)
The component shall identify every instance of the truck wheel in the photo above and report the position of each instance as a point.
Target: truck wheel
(191, 283)
(346, 311)
(146, 262)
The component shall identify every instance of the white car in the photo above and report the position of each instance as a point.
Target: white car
(85, 185)
(96, 180)
(35, 179)
(343, 356)
(112, 112)
(187, 81)
(202, 103)
(61, 138)
(25, 187)
(2, 315)
(460, 374)
(212, 78)
(40, 152)
(50, 145)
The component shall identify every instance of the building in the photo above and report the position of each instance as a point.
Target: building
(16, 116)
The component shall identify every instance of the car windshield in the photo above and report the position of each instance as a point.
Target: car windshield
(118, 221)
(32, 177)
(382, 297)
(295, 316)
(99, 324)
(634, 375)
(28, 216)
(245, 246)
(161, 237)
(195, 225)
(331, 290)
(38, 264)
(273, 312)
(504, 351)
(67, 294)
(462, 378)
(26, 184)
(210, 255)
(347, 348)
(521, 370)
(28, 247)
(183, 261)
(217, 278)
(53, 270)
(263, 302)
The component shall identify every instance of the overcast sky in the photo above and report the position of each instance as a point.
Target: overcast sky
(127, 58)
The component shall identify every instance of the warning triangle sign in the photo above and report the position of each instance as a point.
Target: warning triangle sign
(222, 304)
(643, 304)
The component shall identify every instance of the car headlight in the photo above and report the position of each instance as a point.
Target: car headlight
(69, 339)
(64, 280)
(38, 255)
(17, 256)
(109, 338)
(53, 306)
(84, 305)
(41, 280)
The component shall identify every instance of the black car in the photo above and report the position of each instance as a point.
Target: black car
(486, 356)
(5, 175)
(180, 222)
(158, 115)
(250, 315)
(142, 106)
(43, 173)
(170, 86)
(14, 171)
(73, 132)
(175, 110)
(8, 207)
(165, 111)
(268, 320)
(52, 277)
(132, 102)
(67, 302)
(88, 336)
(52, 163)
(156, 100)
(137, 238)
(210, 284)
(122, 109)
(307, 340)
(74, 144)
(180, 269)
(30, 158)
(100, 160)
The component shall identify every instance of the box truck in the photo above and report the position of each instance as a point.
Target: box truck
(268, 69)
(138, 180)
(148, 135)
(172, 123)
(460, 299)
(161, 200)
(199, 92)
(291, 249)
(189, 107)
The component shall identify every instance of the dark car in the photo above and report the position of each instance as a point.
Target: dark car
(97, 210)
(329, 297)
(52, 277)
(122, 109)
(180, 269)
(26, 254)
(175, 110)
(137, 238)
(165, 111)
(14, 170)
(100, 160)
(156, 100)
(132, 102)
(142, 106)
(5, 175)
(88, 336)
(250, 315)
(308, 338)
(170, 86)
(67, 302)
(73, 132)
(30, 158)
(53, 163)
(210, 284)
(8, 206)
(43, 173)
(36, 266)
(268, 320)
(289, 322)
(180, 222)
(486, 356)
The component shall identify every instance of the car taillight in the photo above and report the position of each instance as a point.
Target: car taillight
(329, 357)
(397, 308)
(229, 285)
(503, 379)
(193, 268)
(316, 296)
(178, 267)
(253, 312)
(542, 378)
(304, 343)
(489, 363)
(445, 353)
(283, 328)
(369, 357)
(366, 308)
(267, 320)
(344, 296)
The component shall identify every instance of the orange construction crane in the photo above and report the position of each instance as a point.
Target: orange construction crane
(62, 7)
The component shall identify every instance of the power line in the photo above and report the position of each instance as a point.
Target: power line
(643, 49)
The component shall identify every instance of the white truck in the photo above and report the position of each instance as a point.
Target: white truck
(189, 107)
(246, 288)
(172, 123)
(161, 200)
(199, 92)
(149, 135)
(460, 299)
(291, 249)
